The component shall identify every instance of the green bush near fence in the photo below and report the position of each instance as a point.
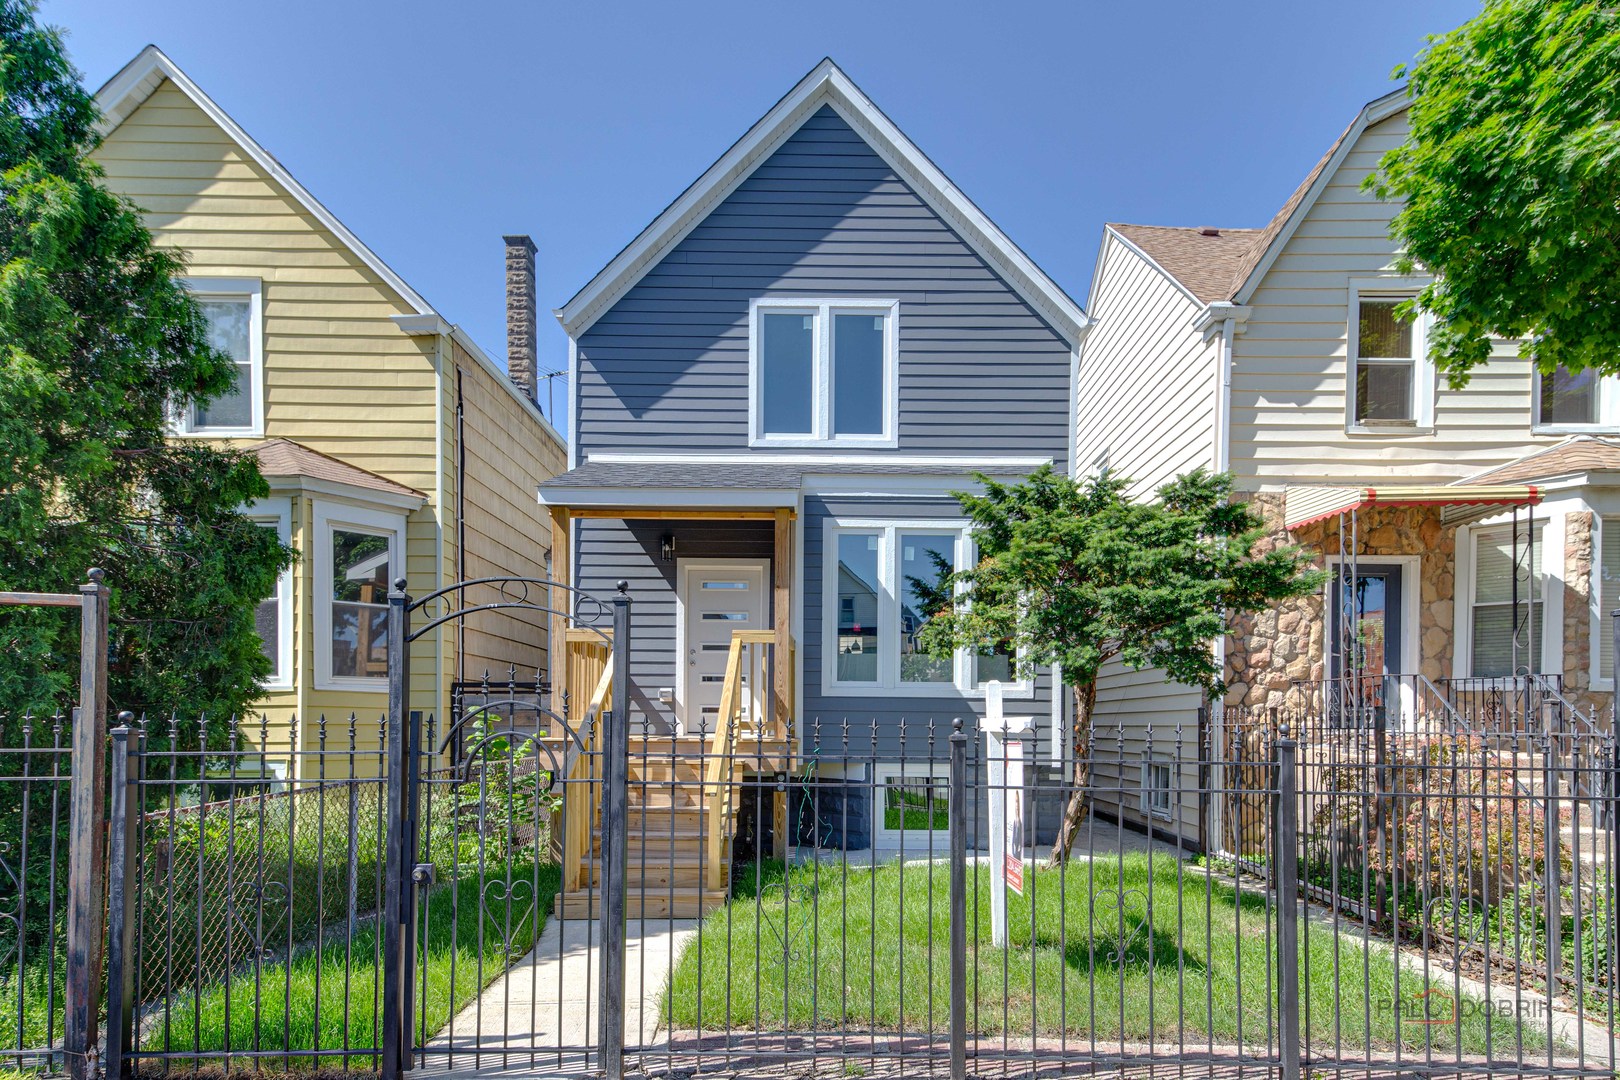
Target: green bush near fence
(1124, 950)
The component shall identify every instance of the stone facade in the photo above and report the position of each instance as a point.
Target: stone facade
(1579, 562)
(1268, 651)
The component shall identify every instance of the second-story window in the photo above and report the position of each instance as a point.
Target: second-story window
(1575, 400)
(1385, 363)
(233, 311)
(823, 371)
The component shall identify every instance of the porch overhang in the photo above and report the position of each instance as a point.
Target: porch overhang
(1307, 504)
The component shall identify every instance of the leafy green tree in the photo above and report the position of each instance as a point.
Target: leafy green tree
(99, 345)
(1072, 572)
(1511, 185)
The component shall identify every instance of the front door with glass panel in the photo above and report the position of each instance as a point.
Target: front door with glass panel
(716, 598)
(1367, 635)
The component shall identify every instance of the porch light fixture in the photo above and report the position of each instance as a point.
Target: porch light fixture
(666, 547)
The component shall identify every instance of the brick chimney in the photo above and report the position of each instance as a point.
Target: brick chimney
(521, 326)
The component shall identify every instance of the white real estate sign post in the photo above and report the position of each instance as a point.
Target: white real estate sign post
(1004, 780)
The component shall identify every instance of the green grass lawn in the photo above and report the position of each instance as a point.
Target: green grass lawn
(279, 1008)
(1123, 950)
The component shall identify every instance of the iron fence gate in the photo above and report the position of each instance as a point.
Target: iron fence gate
(527, 887)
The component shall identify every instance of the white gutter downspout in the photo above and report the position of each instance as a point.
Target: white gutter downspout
(1219, 322)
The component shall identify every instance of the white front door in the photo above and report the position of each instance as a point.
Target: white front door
(716, 598)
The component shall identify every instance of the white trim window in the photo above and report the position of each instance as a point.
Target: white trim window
(274, 616)
(872, 614)
(1606, 597)
(1390, 381)
(1494, 620)
(358, 553)
(234, 308)
(1158, 787)
(823, 372)
(1567, 401)
(911, 802)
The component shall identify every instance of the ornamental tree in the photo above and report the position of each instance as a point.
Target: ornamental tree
(1072, 572)
(99, 346)
(1511, 185)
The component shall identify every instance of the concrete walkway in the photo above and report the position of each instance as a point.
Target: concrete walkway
(542, 1013)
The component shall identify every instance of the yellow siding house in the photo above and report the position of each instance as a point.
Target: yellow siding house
(392, 444)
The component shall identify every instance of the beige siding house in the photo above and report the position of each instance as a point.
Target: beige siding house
(392, 444)
(1467, 532)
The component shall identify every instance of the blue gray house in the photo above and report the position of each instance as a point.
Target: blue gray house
(775, 387)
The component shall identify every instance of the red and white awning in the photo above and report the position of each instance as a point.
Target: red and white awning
(1306, 505)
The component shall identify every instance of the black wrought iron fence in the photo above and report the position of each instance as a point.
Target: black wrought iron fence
(34, 777)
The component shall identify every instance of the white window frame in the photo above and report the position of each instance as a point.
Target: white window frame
(822, 310)
(1600, 604)
(1608, 408)
(1552, 632)
(1423, 374)
(328, 516)
(252, 290)
(886, 838)
(1149, 789)
(888, 682)
(278, 512)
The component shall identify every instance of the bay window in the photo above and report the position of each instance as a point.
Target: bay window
(875, 609)
(273, 616)
(1507, 594)
(823, 372)
(358, 555)
(1607, 594)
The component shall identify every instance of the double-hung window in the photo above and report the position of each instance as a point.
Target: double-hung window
(1390, 379)
(233, 308)
(823, 372)
(1158, 783)
(358, 554)
(1507, 594)
(877, 579)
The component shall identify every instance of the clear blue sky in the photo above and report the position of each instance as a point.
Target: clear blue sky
(433, 128)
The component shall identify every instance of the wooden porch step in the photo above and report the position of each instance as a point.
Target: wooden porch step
(687, 902)
(687, 869)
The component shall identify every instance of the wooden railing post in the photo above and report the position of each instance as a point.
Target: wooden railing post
(87, 818)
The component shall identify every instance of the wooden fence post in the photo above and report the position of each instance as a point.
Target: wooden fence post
(87, 817)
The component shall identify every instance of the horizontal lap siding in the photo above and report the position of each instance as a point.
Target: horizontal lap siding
(666, 368)
(611, 551)
(921, 714)
(1146, 400)
(1288, 380)
(339, 376)
(506, 530)
(1140, 714)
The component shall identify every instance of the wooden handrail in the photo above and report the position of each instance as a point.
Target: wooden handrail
(580, 803)
(746, 654)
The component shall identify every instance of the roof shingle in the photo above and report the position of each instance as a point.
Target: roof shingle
(283, 457)
(1577, 454)
(1202, 260)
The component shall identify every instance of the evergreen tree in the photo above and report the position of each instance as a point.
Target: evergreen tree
(100, 346)
(1071, 572)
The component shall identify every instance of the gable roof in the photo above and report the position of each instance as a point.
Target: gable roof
(1271, 239)
(285, 458)
(825, 85)
(1228, 269)
(139, 79)
(1201, 260)
(1575, 455)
